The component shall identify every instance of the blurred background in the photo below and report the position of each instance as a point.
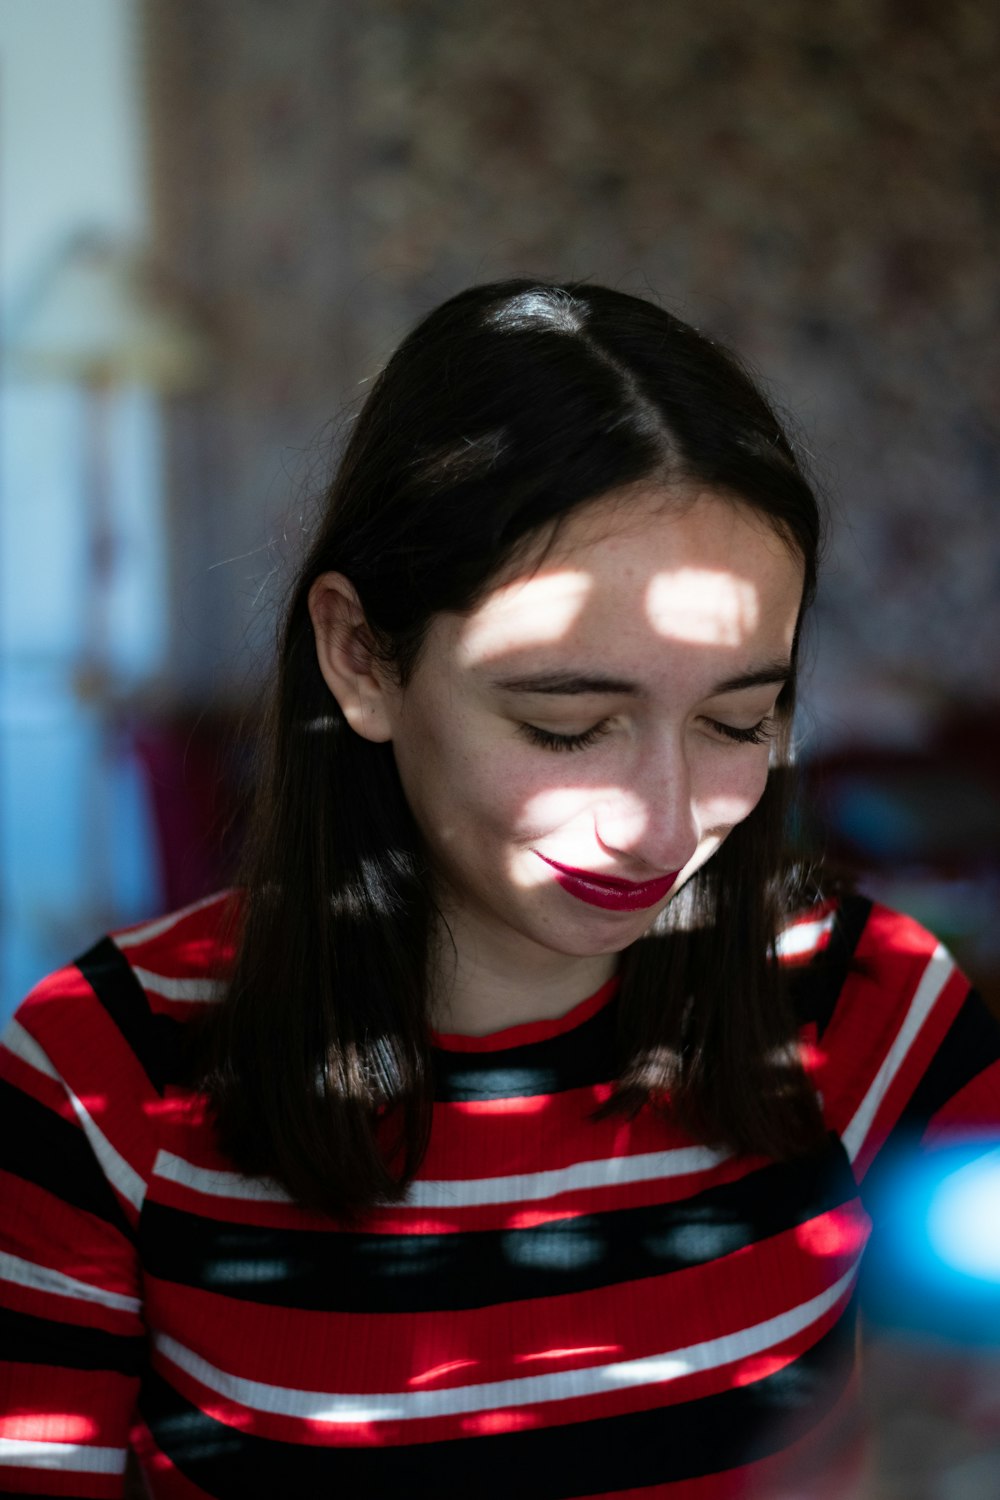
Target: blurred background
(217, 217)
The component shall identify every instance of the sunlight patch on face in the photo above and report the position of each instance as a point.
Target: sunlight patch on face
(702, 605)
(556, 807)
(528, 612)
(726, 810)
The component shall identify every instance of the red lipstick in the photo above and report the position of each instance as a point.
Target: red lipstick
(611, 894)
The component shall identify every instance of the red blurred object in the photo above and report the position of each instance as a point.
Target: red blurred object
(196, 768)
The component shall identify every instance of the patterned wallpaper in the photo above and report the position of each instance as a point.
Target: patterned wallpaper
(819, 184)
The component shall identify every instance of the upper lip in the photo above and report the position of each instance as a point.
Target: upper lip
(611, 881)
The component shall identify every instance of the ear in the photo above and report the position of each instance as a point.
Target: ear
(346, 658)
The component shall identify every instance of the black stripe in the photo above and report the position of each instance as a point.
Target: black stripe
(155, 1040)
(816, 987)
(575, 1059)
(970, 1045)
(42, 1341)
(43, 1148)
(585, 1056)
(400, 1273)
(667, 1444)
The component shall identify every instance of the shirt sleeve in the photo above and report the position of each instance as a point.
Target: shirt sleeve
(910, 1051)
(913, 1089)
(73, 1139)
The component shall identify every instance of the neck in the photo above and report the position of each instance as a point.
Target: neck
(478, 987)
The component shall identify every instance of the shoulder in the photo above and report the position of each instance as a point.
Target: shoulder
(100, 1041)
(162, 968)
(851, 946)
(865, 977)
(181, 959)
(901, 1039)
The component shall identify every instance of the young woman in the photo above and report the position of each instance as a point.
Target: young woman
(507, 1129)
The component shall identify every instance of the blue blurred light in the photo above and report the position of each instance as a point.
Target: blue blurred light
(933, 1263)
(963, 1218)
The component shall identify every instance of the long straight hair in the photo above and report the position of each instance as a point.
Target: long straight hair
(502, 413)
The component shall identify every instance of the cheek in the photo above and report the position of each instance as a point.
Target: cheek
(460, 787)
(429, 771)
(729, 793)
(549, 807)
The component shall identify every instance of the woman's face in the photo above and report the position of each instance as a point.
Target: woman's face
(585, 738)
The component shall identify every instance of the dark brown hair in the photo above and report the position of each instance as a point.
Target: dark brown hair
(502, 412)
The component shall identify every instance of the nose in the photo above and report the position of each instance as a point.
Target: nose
(652, 820)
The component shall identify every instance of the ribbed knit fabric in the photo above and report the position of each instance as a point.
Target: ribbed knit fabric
(561, 1307)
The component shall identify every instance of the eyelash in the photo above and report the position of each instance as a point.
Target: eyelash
(550, 741)
(757, 734)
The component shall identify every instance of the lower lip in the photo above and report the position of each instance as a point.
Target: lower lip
(612, 898)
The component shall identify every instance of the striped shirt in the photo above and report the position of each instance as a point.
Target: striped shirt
(561, 1307)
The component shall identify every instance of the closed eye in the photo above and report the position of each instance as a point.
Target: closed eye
(549, 740)
(756, 734)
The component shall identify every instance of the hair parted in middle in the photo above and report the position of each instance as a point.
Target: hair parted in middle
(506, 410)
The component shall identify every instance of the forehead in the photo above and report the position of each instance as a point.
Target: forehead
(649, 567)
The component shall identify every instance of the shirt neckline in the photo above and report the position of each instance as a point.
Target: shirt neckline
(528, 1032)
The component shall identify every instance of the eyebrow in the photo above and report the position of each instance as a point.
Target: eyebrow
(575, 684)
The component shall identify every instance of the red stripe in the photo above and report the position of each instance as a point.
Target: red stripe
(72, 1241)
(462, 1149)
(919, 1056)
(162, 1475)
(77, 1314)
(100, 1405)
(554, 1413)
(34, 1481)
(973, 1113)
(85, 1046)
(479, 1140)
(474, 1140)
(192, 948)
(891, 956)
(64, 1310)
(47, 1404)
(464, 1131)
(356, 1352)
(41, 1087)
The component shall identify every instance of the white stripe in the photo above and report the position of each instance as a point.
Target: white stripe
(80, 1457)
(178, 989)
(612, 1171)
(217, 1184)
(472, 1192)
(939, 970)
(46, 1279)
(150, 930)
(322, 1406)
(803, 937)
(114, 1166)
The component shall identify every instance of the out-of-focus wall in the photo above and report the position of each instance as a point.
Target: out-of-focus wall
(74, 832)
(817, 183)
